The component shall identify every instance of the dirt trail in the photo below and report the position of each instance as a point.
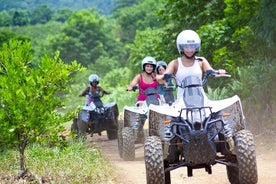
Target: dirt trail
(133, 172)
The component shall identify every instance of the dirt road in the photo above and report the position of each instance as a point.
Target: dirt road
(133, 172)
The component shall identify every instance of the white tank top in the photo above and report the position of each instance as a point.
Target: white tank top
(184, 71)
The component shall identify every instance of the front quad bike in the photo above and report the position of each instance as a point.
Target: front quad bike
(131, 130)
(196, 132)
(97, 117)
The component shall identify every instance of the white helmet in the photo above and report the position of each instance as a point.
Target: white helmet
(94, 78)
(148, 60)
(188, 38)
(160, 63)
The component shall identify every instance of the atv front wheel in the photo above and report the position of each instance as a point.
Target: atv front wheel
(74, 126)
(82, 128)
(154, 160)
(128, 151)
(246, 172)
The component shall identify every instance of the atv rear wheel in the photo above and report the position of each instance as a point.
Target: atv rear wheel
(111, 134)
(141, 136)
(154, 160)
(246, 172)
(128, 145)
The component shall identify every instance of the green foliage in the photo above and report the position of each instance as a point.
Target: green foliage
(239, 13)
(257, 83)
(116, 81)
(41, 15)
(216, 40)
(5, 36)
(217, 93)
(5, 18)
(264, 27)
(85, 38)
(62, 15)
(193, 13)
(38, 35)
(75, 163)
(20, 18)
(133, 16)
(30, 96)
(148, 43)
(105, 6)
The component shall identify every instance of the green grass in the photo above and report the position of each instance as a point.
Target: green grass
(74, 164)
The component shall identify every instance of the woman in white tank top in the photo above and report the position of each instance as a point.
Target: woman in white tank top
(188, 44)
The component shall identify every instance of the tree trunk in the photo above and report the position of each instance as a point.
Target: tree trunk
(21, 148)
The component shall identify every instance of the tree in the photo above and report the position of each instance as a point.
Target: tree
(85, 38)
(5, 18)
(5, 36)
(41, 15)
(265, 29)
(30, 97)
(20, 18)
(133, 16)
(149, 43)
(62, 15)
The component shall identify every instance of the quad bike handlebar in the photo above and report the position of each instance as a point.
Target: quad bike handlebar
(134, 88)
(208, 73)
(212, 73)
(106, 93)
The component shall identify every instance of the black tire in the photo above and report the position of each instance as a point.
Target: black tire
(233, 174)
(246, 173)
(128, 151)
(111, 134)
(154, 161)
(120, 138)
(141, 136)
(82, 128)
(74, 126)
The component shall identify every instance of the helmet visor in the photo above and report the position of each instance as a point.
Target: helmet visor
(189, 47)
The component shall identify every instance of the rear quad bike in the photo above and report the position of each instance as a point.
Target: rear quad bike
(195, 132)
(131, 130)
(97, 117)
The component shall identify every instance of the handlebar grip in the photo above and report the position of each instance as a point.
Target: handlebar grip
(134, 88)
(167, 76)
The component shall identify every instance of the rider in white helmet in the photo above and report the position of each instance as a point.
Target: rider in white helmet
(92, 88)
(145, 79)
(188, 44)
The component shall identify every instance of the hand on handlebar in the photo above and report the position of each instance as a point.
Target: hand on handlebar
(217, 73)
(168, 76)
(132, 88)
(106, 92)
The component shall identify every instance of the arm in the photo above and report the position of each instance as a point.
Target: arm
(206, 66)
(134, 82)
(101, 90)
(172, 68)
(85, 92)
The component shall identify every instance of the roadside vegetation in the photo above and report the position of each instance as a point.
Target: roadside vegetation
(49, 50)
(75, 163)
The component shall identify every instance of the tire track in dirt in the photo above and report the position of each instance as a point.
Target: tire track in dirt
(133, 172)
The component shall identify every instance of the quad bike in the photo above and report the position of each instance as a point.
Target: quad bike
(131, 131)
(97, 117)
(197, 133)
